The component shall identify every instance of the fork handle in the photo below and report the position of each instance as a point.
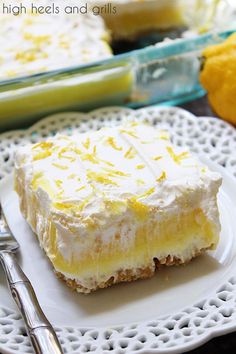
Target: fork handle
(39, 329)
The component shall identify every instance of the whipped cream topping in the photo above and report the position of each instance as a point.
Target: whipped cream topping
(32, 43)
(114, 165)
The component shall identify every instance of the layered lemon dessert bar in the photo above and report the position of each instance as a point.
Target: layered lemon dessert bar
(128, 19)
(113, 205)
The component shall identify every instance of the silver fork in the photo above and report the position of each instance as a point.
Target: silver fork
(39, 329)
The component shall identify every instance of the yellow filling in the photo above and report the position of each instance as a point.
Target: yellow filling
(130, 23)
(170, 237)
(115, 88)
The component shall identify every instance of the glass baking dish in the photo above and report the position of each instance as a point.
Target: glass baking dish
(164, 73)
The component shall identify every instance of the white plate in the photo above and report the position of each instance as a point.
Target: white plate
(176, 310)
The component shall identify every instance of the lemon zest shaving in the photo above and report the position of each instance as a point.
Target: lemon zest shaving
(80, 189)
(177, 158)
(62, 167)
(90, 157)
(73, 208)
(43, 145)
(35, 180)
(162, 177)
(130, 153)
(73, 175)
(156, 158)
(58, 183)
(111, 141)
(86, 144)
(140, 167)
(147, 193)
(108, 163)
(42, 155)
(37, 39)
(61, 155)
(115, 173)
(77, 151)
(133, 124)
(62, 206)
(100, 178)
(129, 132)
(70, 158)
(164, 136)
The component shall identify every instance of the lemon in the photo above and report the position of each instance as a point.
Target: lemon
(218, 77)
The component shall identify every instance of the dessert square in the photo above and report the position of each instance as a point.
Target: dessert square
(128, 19)
(114, 205)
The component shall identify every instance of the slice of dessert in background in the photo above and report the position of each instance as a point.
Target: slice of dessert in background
(131, 18)
(113, 205)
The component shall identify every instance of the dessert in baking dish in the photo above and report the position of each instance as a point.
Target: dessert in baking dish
(128, 19)
(33, 43)
(113, 205)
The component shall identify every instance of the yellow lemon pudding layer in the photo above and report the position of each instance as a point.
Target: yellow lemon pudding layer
(115, 204)
(128, 19)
